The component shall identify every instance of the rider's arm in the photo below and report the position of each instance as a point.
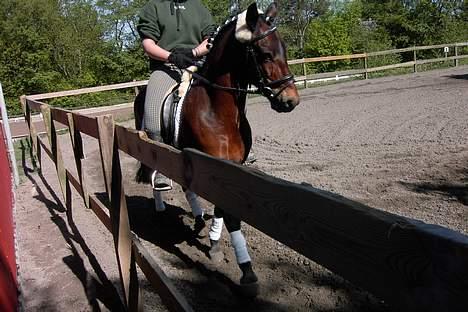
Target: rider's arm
(154, 51)
(201, 49)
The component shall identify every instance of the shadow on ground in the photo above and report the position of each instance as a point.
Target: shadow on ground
(458, 191)
(167, 230)
(462, 76)
(101, 289)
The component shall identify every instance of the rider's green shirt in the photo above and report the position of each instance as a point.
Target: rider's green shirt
(175, 24)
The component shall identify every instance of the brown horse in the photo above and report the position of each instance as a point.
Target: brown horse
(247, 50)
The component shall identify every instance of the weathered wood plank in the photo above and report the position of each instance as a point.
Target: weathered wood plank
(86, 124)
(119, 215)
(100, 211)
(77, 145)
(105, 126)
(170, 296)
(60, 115)
(392, 66)
(34, 105)
(33, 136)
(386, 52)
(117, 86)
(74, 182)
(155, 155)
(55, 147)
(45, 147)
(440, 59)
(412, 265)
(327, 58)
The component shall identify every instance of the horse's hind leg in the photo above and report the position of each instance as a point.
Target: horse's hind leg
(248, 280)
(197, 210)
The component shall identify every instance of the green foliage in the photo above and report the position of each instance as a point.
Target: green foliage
(328, 36)
(48, 46)
(218, 8)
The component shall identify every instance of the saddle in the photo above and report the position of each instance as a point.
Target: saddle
(171, 109)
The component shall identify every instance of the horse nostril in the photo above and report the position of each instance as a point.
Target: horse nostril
(290, 103)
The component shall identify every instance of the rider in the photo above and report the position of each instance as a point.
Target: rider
(174, 34)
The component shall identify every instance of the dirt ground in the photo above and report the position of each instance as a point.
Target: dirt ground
(399, 144)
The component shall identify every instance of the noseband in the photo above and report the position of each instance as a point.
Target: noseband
(265, 87)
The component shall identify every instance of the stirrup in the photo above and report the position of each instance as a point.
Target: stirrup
(164, 183)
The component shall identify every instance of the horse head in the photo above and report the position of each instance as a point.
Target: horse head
(267, 57)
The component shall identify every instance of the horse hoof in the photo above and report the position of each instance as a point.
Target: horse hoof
(249, 290)
(216, 254)
(249, 281)
(158, 207)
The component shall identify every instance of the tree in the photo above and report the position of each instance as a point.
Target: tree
(296, 17)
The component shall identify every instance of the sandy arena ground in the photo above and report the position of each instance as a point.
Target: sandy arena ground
(399, 144)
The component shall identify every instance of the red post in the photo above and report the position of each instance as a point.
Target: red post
(8, 282)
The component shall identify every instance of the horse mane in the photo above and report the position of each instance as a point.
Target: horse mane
(215, 40)
(241, 33)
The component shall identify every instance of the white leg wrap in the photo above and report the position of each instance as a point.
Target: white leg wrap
(192, 199)
(240, 247)
(216, 228)
(158, 201)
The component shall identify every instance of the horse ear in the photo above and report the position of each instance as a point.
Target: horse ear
(252, 16)
(272, 11)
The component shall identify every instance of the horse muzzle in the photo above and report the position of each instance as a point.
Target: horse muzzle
(286, 101)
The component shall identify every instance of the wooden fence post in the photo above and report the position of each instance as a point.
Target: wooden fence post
(456, 55)
(118, 211)
(415, 68)
(36, 148)
(77, 144)
(366, 74)
(55, 149)
(304, 69)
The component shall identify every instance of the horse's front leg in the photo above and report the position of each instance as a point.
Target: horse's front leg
(248, 280)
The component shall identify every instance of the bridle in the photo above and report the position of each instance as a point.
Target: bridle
(264, 86)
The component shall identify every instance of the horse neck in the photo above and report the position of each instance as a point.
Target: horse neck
(226, 62)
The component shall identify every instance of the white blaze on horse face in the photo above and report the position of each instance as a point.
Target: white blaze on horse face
(243, 33)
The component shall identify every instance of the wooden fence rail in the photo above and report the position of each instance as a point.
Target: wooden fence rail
(365, 56)
(412, 265)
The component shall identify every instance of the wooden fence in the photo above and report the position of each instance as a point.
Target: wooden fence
(455, 47)
(411, 265)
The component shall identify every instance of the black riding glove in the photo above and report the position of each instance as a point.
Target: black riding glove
(185, 51)
(181, 57)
